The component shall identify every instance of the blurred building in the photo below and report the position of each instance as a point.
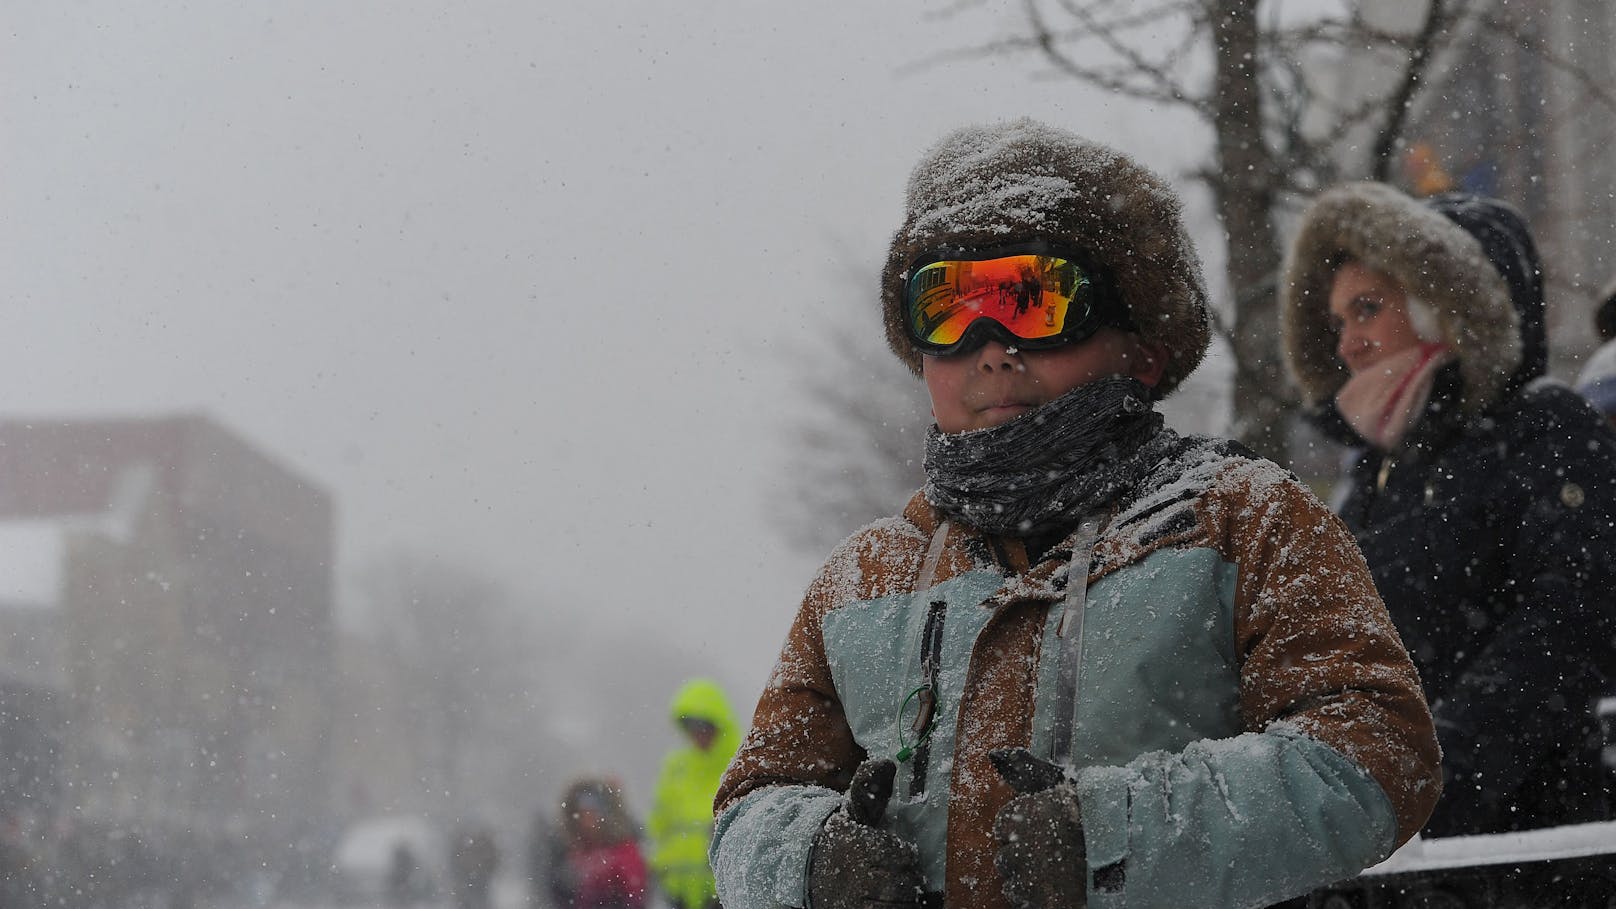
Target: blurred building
(174, 584)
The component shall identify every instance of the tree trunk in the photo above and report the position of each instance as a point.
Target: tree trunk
(1244, 191)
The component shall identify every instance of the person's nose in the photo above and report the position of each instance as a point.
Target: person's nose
(996, 357)
(1349, 344)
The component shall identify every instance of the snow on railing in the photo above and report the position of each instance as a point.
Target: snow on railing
(1551, 843)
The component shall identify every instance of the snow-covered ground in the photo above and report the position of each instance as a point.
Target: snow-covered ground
(508, 893)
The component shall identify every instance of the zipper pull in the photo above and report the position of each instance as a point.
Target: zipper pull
(1385, 471)
(926, 701)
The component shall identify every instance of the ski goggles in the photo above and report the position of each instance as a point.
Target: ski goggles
(1030, 296)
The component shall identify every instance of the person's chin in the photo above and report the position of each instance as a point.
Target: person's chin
(994, 416)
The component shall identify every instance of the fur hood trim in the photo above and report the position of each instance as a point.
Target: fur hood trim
(1434, 259)
(1014, 182)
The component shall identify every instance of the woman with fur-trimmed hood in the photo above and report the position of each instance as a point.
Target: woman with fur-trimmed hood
(1092, 662)
(1483, 495)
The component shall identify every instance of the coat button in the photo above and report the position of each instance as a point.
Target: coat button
(1571, 495)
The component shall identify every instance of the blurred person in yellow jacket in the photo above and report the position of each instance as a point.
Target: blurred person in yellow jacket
(681, 821)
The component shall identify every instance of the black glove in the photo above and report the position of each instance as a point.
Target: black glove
(856, 864)
(1040, 835)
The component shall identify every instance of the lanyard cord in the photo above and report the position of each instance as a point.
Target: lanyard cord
(928, 570)
(1070, 632)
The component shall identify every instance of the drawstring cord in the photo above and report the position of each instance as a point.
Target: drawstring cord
(1070, 632)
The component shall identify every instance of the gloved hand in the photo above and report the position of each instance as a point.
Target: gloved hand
(1040, 835)
(856, 864)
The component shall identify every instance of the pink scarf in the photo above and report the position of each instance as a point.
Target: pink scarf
(1384, 401)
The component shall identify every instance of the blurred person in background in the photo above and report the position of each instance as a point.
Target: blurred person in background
(406, 879)
(471, 866)
(598, 863)
(1483, 497)
(19, 879)
(681, 823)
(546, 850)
(1597, 382)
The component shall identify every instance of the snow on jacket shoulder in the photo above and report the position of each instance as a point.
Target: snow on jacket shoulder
(1248, 724)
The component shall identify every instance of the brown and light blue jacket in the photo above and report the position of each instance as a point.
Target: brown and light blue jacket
(1247, 725)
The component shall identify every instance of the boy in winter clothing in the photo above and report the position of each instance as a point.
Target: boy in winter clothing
(1483, 495)
(1093, 661)
(681, 821)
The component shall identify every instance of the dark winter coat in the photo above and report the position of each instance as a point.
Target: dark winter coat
(1490, 528)
(1248, 726)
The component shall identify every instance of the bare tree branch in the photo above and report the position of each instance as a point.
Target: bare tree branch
(1149, 17)
(1109, 80)
(1596, 89)
(1138, 18)
(1230, 333)
(1419, 58)
(1112, 79)
(1349, 32)
(1310, 164)
(957, 7)
(1107, 33)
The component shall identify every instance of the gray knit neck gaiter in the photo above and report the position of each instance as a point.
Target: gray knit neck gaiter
(1050, 467)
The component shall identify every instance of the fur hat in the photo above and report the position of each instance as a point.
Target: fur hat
(985, 186)
(1463, 256)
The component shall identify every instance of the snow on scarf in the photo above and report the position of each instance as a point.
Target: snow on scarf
(1048, 468)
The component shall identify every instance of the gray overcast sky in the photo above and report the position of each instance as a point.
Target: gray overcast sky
(511, 278)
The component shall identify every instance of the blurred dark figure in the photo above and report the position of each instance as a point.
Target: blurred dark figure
(546, 851)
(1597, 382)
(600, 865)
(19, 878)
(406, 879)
(471, 867)
(98, 866)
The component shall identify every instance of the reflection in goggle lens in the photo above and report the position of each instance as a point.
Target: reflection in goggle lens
(1031, 296)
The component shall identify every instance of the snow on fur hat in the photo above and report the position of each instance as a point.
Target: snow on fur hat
(984, 186)
(1451, 253)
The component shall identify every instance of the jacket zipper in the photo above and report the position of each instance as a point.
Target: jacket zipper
(931, 647)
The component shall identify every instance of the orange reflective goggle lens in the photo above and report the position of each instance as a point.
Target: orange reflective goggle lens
(1033, 300)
